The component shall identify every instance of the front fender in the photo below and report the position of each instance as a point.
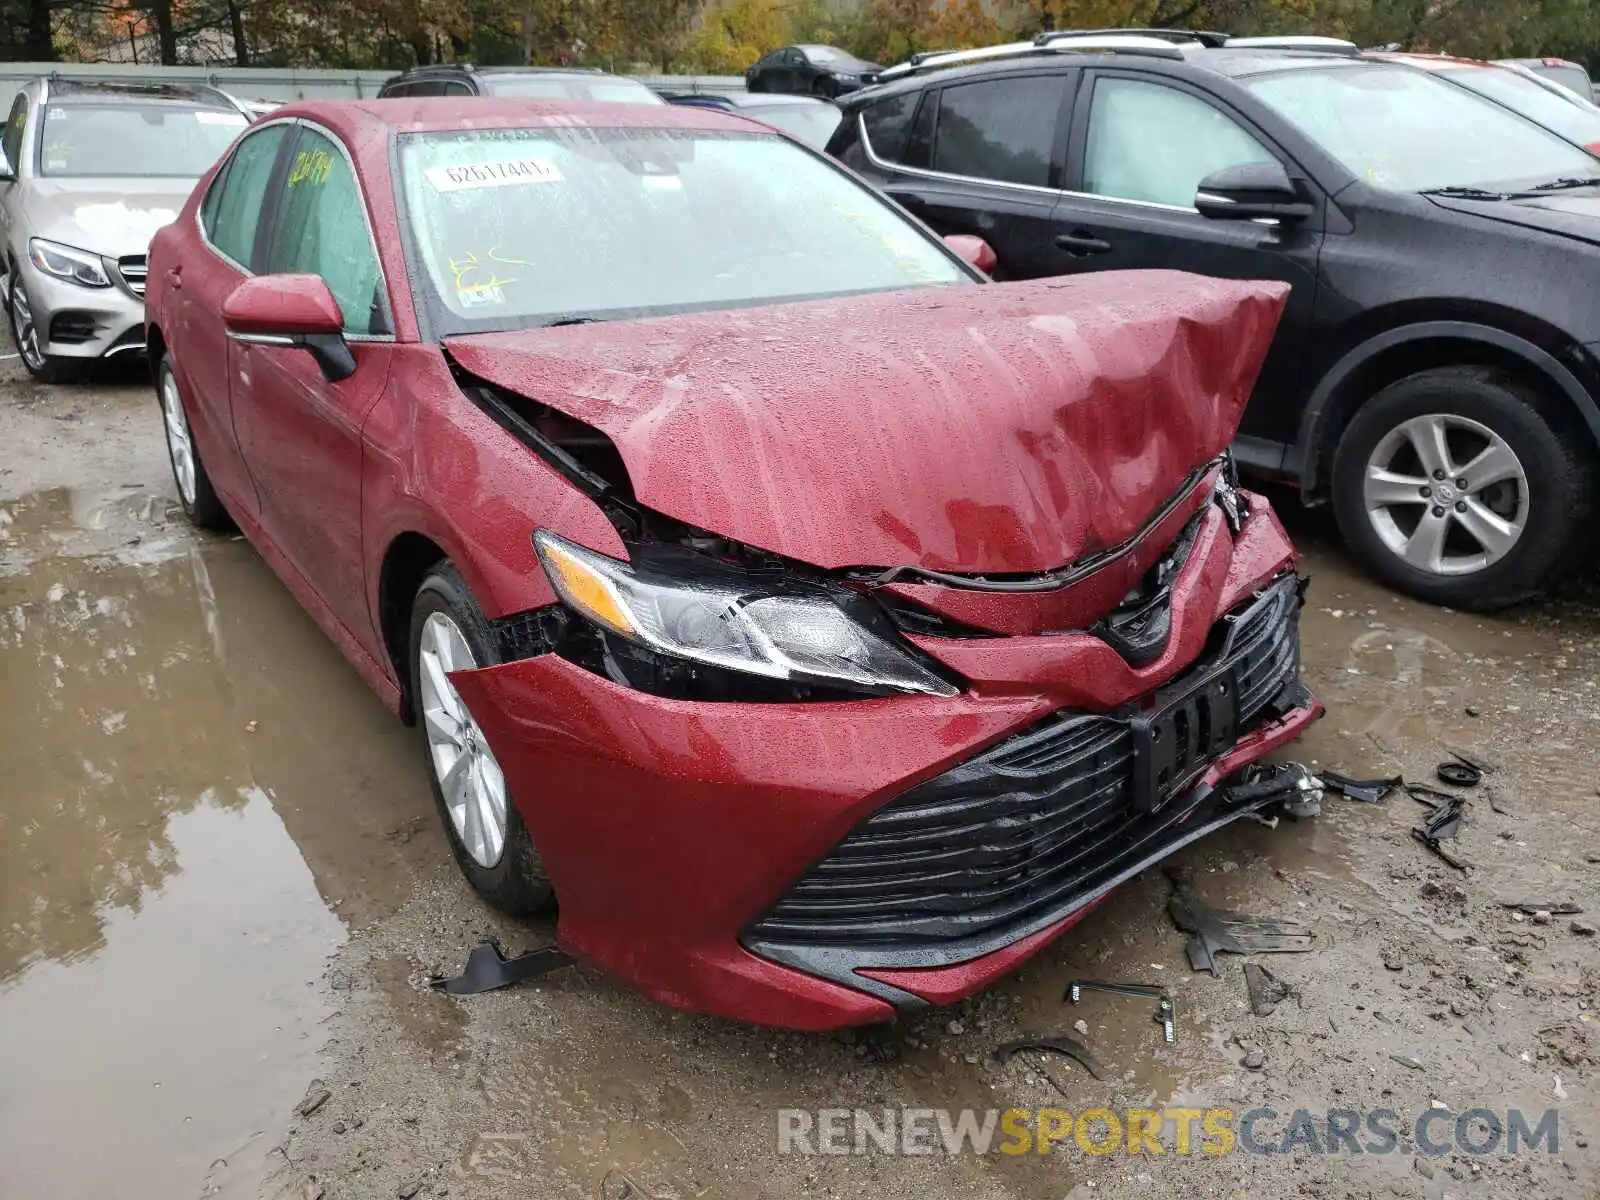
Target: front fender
(1323, 406)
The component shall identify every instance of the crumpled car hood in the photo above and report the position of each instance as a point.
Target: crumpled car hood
(980, 429)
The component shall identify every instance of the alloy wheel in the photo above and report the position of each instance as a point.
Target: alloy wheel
(23, 328)
(469, 776)
(1446, 494)
(179, 443)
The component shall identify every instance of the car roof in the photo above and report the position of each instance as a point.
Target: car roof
(471, 69)
(177, 93)
(1231, 61)
(352, 119)
(1432, 62)
(749, 99)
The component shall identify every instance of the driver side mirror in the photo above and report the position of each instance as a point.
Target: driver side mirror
(973, 251)
(291, 310)
(1252, 192)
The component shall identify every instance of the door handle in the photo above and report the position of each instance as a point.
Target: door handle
(174, 278)
(1080, 243)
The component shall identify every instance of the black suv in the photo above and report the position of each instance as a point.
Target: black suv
(1435, 372)
(519, 83)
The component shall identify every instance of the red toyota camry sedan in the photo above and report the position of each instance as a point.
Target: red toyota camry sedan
(825, 626)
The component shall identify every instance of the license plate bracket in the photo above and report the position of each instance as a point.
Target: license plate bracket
(1175, 742)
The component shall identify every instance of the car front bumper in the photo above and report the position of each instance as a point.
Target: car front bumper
(742, 858)
(80, 322)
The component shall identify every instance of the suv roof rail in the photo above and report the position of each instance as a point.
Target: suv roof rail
(1329, 45)
(1204, 36)
(930, 60)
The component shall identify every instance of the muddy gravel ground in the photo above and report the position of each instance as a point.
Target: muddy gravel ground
(223, 890)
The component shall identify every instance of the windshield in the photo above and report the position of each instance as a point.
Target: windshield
(122, 138)
(1401, 129)
(1559, 111)
(523, 227)
(572, 87)
(813, 124)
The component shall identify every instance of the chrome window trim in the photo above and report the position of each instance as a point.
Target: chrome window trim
(1029, 188)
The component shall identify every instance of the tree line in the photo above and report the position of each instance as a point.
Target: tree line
(725, 36)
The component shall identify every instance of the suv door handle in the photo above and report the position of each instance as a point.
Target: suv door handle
(1080, 243)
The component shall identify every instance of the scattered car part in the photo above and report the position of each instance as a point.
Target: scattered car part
(1443, 823)
(1266, 990)
(1215, 931)
(1472, 758)
(1564, 909)
(1432, 797)
(488, 968)
(1163, 997)
(1070, 1047)
(1368, 791)
(1459, 774)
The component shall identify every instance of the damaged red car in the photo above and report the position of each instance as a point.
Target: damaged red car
(825, 627)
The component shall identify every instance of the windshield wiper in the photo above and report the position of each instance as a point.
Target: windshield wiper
(1465, 193)
(560, 321)
(1561, 185)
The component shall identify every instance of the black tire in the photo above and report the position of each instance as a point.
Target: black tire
(517, 884)
(46, 368)
(1555, 461)
(204, 509)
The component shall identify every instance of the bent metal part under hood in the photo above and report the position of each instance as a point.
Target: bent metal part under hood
(977, 429)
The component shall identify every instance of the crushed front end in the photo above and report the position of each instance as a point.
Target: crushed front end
(815, 860)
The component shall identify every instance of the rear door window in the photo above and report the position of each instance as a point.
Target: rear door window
(1001, 129)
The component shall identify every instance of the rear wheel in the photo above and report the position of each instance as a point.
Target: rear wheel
(491, 844)
(1457, 486)
(200, 502)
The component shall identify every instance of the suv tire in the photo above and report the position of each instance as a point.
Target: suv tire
(1502, 537)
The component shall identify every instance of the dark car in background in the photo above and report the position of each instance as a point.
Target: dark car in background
(824, 71)
(517, 83)
(1435, 373)
(808, 118)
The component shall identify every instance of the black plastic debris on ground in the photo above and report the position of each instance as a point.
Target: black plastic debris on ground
(1458, 773)
(487, 969)
(1214, 931)
(1443, 823)
(1266, 990)
(1066, 1046)
(1368, 791)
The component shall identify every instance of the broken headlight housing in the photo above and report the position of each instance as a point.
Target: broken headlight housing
(781, 629)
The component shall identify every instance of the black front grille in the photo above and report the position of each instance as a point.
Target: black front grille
(1004, 838)
(134, 271)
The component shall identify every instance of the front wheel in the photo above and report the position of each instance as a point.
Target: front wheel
(1457, 486)
(44, 367)
(491, 844)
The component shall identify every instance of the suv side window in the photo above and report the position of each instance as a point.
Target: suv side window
(457, 88)
(16, 125)
(231, 211)
(1000, 129)
(1155, 143)
(398, 91)
(889, 125)
(320, 228)
(427, 87)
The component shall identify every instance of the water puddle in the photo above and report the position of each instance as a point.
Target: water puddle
(199, 795)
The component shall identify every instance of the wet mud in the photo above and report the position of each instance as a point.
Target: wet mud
(223, 889)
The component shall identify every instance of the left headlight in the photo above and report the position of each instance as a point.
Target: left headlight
(794, 635)
(69, 263)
